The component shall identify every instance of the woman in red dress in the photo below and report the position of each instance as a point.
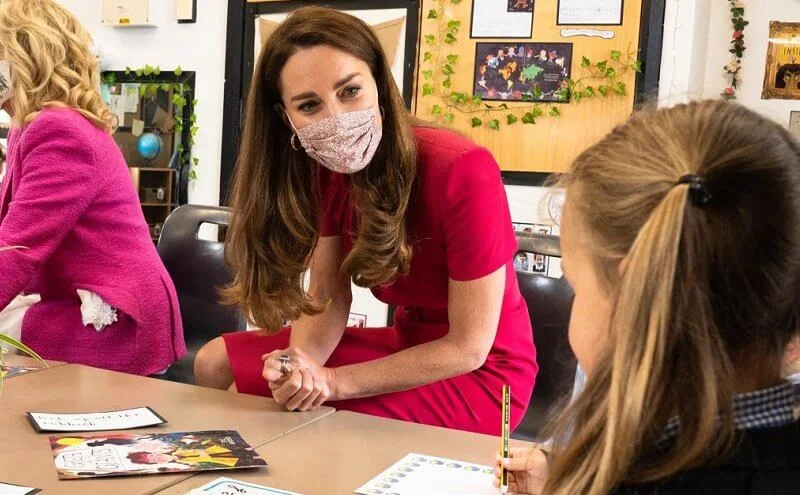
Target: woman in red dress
(336, 178)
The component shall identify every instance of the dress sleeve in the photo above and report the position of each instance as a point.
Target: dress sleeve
(478, 233)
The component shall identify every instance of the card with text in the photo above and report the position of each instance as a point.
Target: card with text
(9, 489)
(124, 419)
(227, 486)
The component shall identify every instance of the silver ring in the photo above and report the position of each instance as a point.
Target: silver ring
(284, 360)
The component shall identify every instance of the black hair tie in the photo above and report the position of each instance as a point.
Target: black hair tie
(698, 189)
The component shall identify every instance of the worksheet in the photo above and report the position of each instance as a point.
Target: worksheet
(227, 486)
(417, 473)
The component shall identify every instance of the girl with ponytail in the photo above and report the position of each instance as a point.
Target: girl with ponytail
(681, 240)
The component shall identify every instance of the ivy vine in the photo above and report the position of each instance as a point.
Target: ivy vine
(149, 81)
(600, 79)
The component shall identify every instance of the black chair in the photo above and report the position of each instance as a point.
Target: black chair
(198, 269)
(549, 303)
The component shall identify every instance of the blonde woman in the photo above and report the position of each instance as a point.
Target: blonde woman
(681, 240)
(67, 197)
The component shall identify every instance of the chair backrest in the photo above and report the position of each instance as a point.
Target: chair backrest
(198, 270)
(549, 303)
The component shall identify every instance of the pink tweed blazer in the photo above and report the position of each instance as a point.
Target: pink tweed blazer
(68, 197)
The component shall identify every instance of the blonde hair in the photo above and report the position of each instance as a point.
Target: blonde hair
(51, 62)
(707, 300)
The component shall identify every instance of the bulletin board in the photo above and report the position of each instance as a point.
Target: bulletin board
(551, 143)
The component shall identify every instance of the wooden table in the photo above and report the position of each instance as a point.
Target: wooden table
(20, 360)
(341, 452)
(26, 458)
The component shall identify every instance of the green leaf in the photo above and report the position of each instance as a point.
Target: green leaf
(426, 56)
(526, 96)
(455, 2)
(194, 102)
(427, 89)
(602, 65)
(447, 83)
(142, 90)
(165, 87)
(148, 70)
(193, 118)
(450, 39)
(585, 62)
(494, 124)
(127, 70)
(436, 110)
(529, 118)
(448, 70)
(5, 339)
(636, 65)
(537, 112)
(588, 92)
(477, 100)
(511, 118)
(449, 117)
(603, 90)
(555, 112)
(178, 128)
(429, 39)
(195, 161)
(537, 92)
(433, 14)
(577, 96)
(178, 71)
(179, 149)
(611, 72)
(562, 94)
(452, 59)
(452, 26)
(616, 55)
(620, 89)
(476, 122)
(157, 70)
(139, 72)
(570, 83)
(427, 74)
(193, 175)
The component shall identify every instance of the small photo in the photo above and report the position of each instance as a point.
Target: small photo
(522, 71)
(520, 5)
(531, 263)
(356, 320)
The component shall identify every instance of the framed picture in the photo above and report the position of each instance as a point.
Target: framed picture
(794, 123)
(356, 320)
(522, 71)
(590, 12)
(527, 262)
(782, 73)
(502, 19)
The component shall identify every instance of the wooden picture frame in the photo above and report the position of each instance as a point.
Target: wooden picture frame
(782, 74)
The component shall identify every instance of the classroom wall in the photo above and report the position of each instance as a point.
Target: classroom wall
(198, 47)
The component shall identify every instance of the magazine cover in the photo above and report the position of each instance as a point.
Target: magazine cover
(125, 454)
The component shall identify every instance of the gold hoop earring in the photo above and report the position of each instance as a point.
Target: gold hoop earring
(293, 143)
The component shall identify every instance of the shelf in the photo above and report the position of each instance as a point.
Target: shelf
(131, 25)
(157, 204)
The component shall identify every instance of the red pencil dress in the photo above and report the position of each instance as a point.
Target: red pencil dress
(460, 227)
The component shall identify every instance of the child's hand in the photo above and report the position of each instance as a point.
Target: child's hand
(527, 471)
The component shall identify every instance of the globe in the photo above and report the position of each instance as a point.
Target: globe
(149, 146)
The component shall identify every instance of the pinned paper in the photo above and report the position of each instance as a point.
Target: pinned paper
(137, 128)
(591, 33)
(117, 106)
(163, 120)
(131, 93)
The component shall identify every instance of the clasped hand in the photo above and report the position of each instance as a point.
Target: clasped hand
(303, 385)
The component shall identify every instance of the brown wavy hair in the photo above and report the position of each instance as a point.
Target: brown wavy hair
(275, 203)
(51, 61)
(707, 300)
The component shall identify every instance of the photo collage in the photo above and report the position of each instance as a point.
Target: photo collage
(523, 71)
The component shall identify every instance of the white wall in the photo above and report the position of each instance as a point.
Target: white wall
(198, 47)
(759, 13)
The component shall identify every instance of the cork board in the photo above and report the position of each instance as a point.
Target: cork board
(551, 144)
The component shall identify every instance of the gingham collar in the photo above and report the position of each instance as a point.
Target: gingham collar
(768, 408)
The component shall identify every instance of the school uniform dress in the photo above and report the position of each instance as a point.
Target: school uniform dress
(460, 228)
(766, 455)
(69, 200)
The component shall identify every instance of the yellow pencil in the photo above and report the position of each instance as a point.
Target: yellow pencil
(506, 426)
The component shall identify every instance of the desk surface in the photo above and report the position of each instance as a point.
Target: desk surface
(26, 458)
(341, 452)
(20, 360)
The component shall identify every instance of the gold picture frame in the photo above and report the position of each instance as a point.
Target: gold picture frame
(782, 74)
